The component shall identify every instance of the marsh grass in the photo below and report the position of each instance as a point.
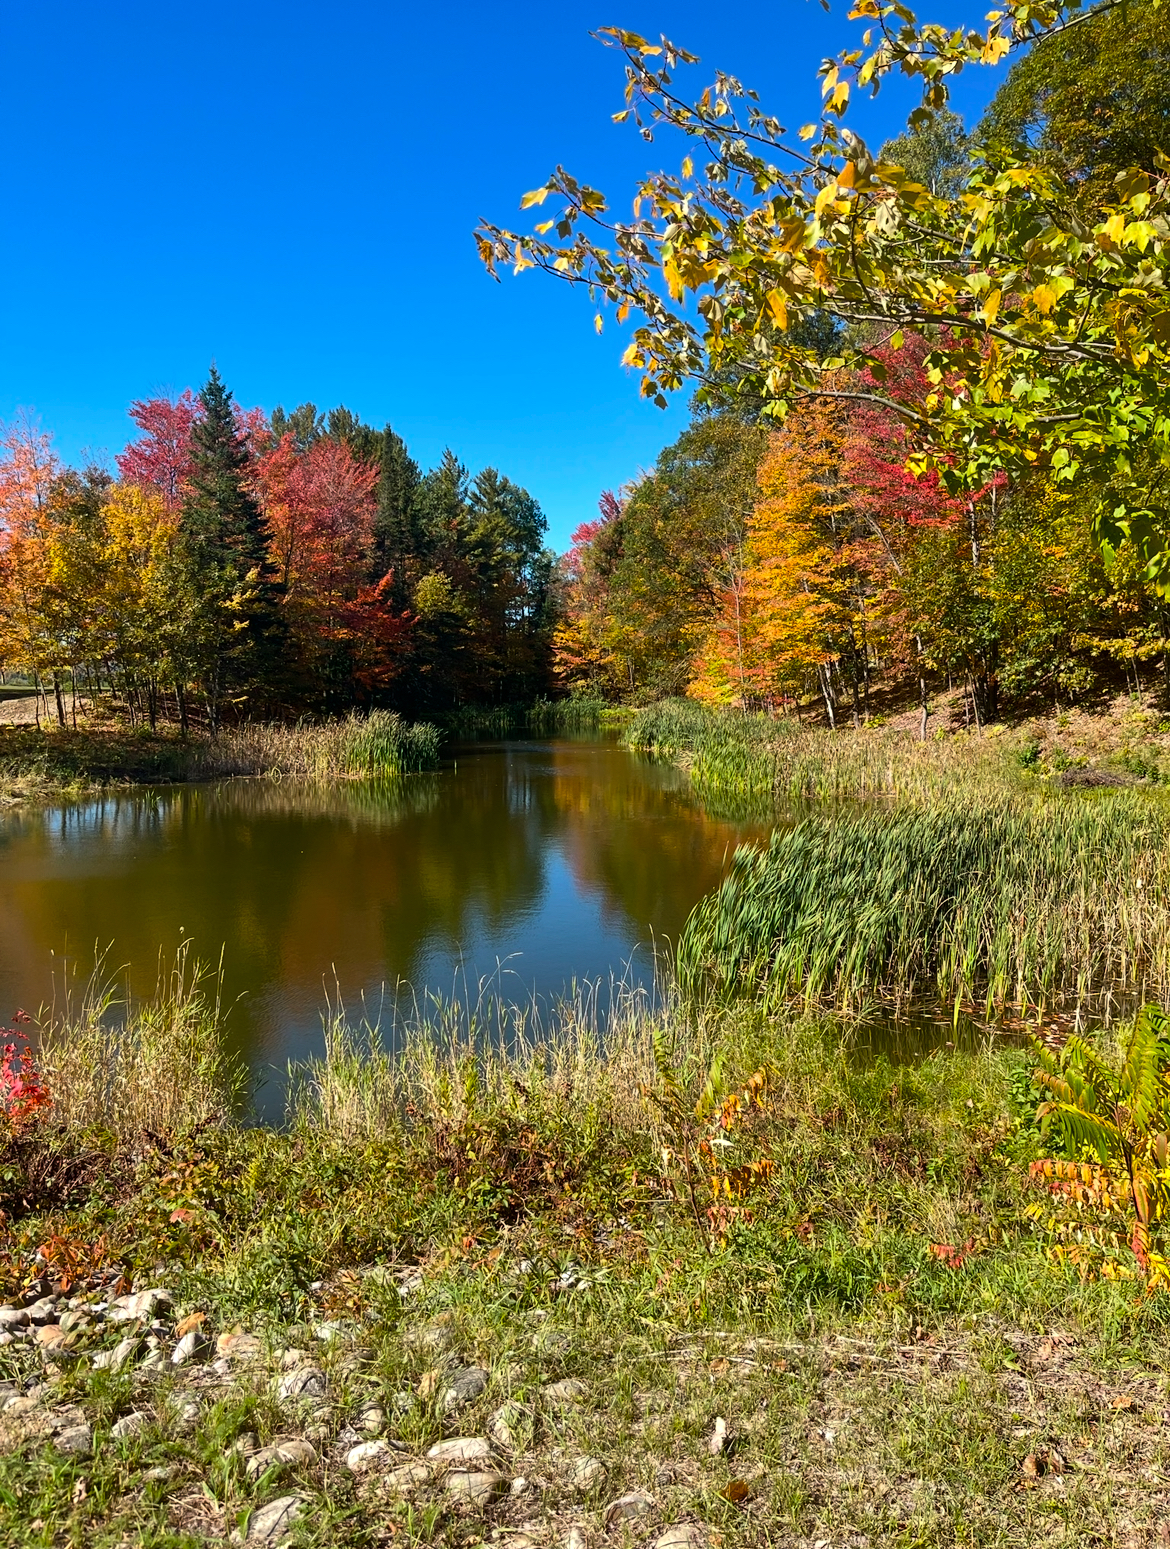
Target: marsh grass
(125, 1068)
(540, 718)
(753, 757)
(1003, 901)
(361, 747)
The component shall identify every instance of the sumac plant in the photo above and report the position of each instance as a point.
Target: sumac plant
(1112, 1188)
(24, 1092)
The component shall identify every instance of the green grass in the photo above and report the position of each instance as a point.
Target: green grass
(541, 718)
(60, 761)
(1004, 901)
(729, 754)
(514, 1202)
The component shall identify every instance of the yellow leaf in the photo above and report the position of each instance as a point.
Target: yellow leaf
(826, 196)
(778, 307)
(990, 307)
(688, 166)
(1044, 297)
(597, 323)
(537, 196)
(807, 132)
(631, 356)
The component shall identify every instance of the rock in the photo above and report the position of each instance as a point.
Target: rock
(464, 1387)
(372, 1420)
(506, 1423)
(188, 1347)
(270, 1523)
(161, 1474)
(142, 1304)
(292, 1358)
(407, 1477)
(75, 1442)
(567, 1391)
(434, 1338)
(14, 1317)
(302, 1382)
(6, 1338)
(74, 1319)
(628, 1507)
(368, 1455)
(473, 1488)
(575, 1538)
(461, 1449)
(130, 1425)
(587, 1473)
(282, 1454)
(239, 1346)
(720, 1439)
(155, 1360)
(187, 1415)
(121, 1355)
(44, 1311)
(519, 1486)
(328, 1333)
(682, 1535)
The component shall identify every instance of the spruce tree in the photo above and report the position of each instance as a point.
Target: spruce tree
(396, 519)
(235, 588)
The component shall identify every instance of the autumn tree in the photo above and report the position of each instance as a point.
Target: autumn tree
(160, 459)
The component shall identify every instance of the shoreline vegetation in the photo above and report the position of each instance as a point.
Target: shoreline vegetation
(464, 1259)
(53, 762)
(698, 1271)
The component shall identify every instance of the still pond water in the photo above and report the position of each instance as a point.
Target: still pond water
(535, 863)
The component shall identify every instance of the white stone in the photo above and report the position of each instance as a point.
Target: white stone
(282, 1454)
(627, 1507)
(568, 1391)
(188, 1348)
(130, 1425)
(475, 1488)
(460, 1449)
(121, 1355)
(270, 1523)
(141, 1304)
(368, 1455)
(682, 1535)
(587, 1473)
(302, 1382)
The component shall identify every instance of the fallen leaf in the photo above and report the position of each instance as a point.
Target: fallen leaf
(735, 1491)
(1032, 1466)
(192, 1321)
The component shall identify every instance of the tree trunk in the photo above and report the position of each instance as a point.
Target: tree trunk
(60, 698)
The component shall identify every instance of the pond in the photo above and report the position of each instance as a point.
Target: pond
(532, 864)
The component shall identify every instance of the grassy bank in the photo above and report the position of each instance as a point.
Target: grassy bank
(541, 718)
(60, 761)
(519, 1244)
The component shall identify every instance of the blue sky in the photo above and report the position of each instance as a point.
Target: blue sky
(291, 189)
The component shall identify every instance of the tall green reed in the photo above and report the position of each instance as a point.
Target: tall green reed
(1003, 900)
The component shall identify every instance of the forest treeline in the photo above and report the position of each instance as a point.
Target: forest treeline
(771, 568)
(240, 566)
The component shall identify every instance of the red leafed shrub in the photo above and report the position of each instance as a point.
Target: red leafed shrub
(24, 1092)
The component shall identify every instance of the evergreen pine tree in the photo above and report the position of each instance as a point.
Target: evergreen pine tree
(223, 532)
(395, 522)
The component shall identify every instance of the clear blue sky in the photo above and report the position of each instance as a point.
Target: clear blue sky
(291, 189)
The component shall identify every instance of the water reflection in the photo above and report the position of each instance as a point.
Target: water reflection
(561, 859)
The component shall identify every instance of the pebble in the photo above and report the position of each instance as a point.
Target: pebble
(270, 1523)
(122, 1353)
(628, 1507)
(130, 1425)
(239, 1346)
(436, 1337)
(302, 1382)
(587, 1473)
(160, 1474)
(186, 1417)
(575, 1538)
(568, 1391)
(292, 1358)
(44, 1311)
(464, 1386)
(407, 1477)
(75, 1442)
(460, 1449)
(520, 1486)
(188, 1348)
(14, 1317)
(372, 1419)
(141, 1304)
(505, 1423)
(474, 1488)
(368, 1455)
(682, 1535)
(6, 1338)
(282, 1454)
(327, 1333)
